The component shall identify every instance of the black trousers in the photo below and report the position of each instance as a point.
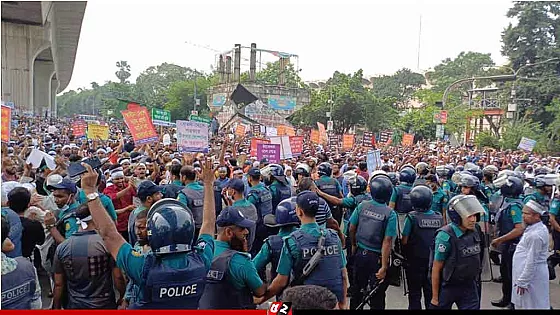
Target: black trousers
(366, 265)
(506, 266)
(418, 283)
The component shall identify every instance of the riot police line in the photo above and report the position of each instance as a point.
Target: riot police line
(392, 232)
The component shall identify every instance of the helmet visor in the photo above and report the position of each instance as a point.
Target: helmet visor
(466, 205)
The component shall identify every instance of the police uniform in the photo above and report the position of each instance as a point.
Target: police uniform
(299, 247)
(332, 187)
(507, 217)
(167, 281)
(401, 199)
(232, 277)
(279, 192)
(461, 253)
(374, 222)
(439, 201)
(261, 198)
(449, 187)
(420, 227)
(554, 259)
(20, 285)
(219, 185)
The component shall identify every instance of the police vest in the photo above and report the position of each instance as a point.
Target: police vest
(328, 187)
(494, 205)
(403, 203)
(172, 288)
(249, 211)
(359, 198)
(372, 221)
(171, 191)
(422, 234)
(504, 221)
(282, 192)
(18, 286)
(327, 273)
(264, 202)
(195, 200)
(219, 185)
(419, 181)
(464, 261)
(219, 293)
(275, 244)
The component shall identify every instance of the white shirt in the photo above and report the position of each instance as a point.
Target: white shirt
(530, 269)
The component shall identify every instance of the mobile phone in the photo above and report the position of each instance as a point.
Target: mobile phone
(76, 168)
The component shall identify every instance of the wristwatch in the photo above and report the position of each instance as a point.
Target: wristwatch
(92, 196)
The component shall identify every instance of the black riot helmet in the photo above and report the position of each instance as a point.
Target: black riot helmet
(324, 169)
(394, 178)
(512, 188)
(381, 188)
(170, 227)
(359, 186)
(407, 175)
(421, 198)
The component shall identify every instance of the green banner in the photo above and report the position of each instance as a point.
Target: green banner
(200, 119)
(161, 115)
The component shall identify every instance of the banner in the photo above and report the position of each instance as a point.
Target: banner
(161, 117)
(348, 142)
(407, 139)
(200, 119)
(271, 132)
(322, 132)
(440, 117)
(385, 137)
(6, 123)
(373, 160)
(527, 144)
(79, 128)
(315, 136)
(139, 123)
(254, 142)
(285, 149)
(334, 141)
(440, 131)
(268, 151)
(240, 130)
(296, 144)
(192, 136)
(95, 131)
(367, 139)
(256, 129)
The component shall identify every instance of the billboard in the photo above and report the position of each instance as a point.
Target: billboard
(282, 102)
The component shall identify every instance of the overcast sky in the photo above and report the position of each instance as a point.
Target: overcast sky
(378, 36)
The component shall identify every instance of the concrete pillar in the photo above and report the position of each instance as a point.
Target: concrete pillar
(228, 69)
(237, 63)
(221, 70)
(54, 87)
(253, 62)
(42, 74)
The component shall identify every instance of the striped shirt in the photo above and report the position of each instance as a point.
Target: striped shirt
(323, 214)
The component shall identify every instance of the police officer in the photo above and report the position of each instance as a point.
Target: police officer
(509, 228)
(457, 260)
(261, 198)
(232, 280)
(330, 186)
(302, 170)
(275, 180)
(285, 219)
(418, 235)
(439, 197)
(219, 185)
(400, 199)
(192, 196)
(543, 185)
(422, 169)
(554, 259)
(234, 195)
(373, 225)
(489, 173)
(445, 172)
(20, 286)
(173, 275)
(326, 268)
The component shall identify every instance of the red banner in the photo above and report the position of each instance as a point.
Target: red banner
(254, 142)
(6, 123)
(140, 125)
(79, 128)
(296, 143)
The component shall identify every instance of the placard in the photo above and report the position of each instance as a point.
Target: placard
(240, 130)
(254, 142)
(79, 128)
(367, 139)
(527, 144)
(256, 129)
(348, 142)
(322, 132)
(315, 136)
(268, 151)
(285, 149)
(296, 144)
(373, 160)
(192, 136)
(271, 132)
(407, 139)
(96, 131)
(6, 123)
(140, 125)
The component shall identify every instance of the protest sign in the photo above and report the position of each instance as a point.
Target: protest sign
(140, 125)
(315, 136)
(285, 149)
(79, 128)
(192, 136)
(373, 160)
(296, 144)
(36, 156)
(322, 132)
(240, 130)
(271, 131)
(367, 139)
(408, 139)
(347, 142)
(527, 144)
(254, 142)
(6, 123)
(161, 117)
(268, 151)
(95, 131)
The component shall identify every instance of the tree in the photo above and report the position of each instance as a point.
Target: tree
(124, 71)
(152, 84)
(180, 96)
(271, 73)
(400, 86)
(534, 38)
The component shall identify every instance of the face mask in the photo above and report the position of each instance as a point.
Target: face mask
(67, 205)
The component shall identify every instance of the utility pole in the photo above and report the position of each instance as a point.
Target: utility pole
(196, 100)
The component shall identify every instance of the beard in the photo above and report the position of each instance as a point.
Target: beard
(240, 245)
(142, 242)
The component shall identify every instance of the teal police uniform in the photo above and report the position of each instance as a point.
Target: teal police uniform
(265, 254)
(105, 201)
(390, 229)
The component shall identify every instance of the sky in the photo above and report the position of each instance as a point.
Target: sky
(377, 36)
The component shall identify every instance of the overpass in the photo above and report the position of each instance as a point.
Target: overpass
(39, 43)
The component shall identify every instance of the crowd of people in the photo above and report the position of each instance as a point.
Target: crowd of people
(115, 225)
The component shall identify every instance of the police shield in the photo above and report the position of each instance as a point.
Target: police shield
(466, 205)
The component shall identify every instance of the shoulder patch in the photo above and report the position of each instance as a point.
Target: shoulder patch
(201, 244)
(67, 226)
(442, 248)
(136, 254)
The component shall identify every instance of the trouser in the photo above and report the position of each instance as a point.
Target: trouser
(506, 272)
(261, 233)
(366, 265)
(336, 212)
(554, 259)
(418, 283)
(464, 295)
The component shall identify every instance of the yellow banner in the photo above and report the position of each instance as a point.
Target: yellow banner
(96, 131)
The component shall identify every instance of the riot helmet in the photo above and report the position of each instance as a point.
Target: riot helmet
(462, 207)
(359, 186)
(285, 214)
(512, 188)
(324, 169)
(170, 227)
(421, 198)
(407, 175)
(380, 187)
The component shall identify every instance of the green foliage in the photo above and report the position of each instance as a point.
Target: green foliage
(152, 84)
(487, 139)
(271, 74)
(180, 97)
(466, 65)
(513, 133)
(124, 71)
(399, 86)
